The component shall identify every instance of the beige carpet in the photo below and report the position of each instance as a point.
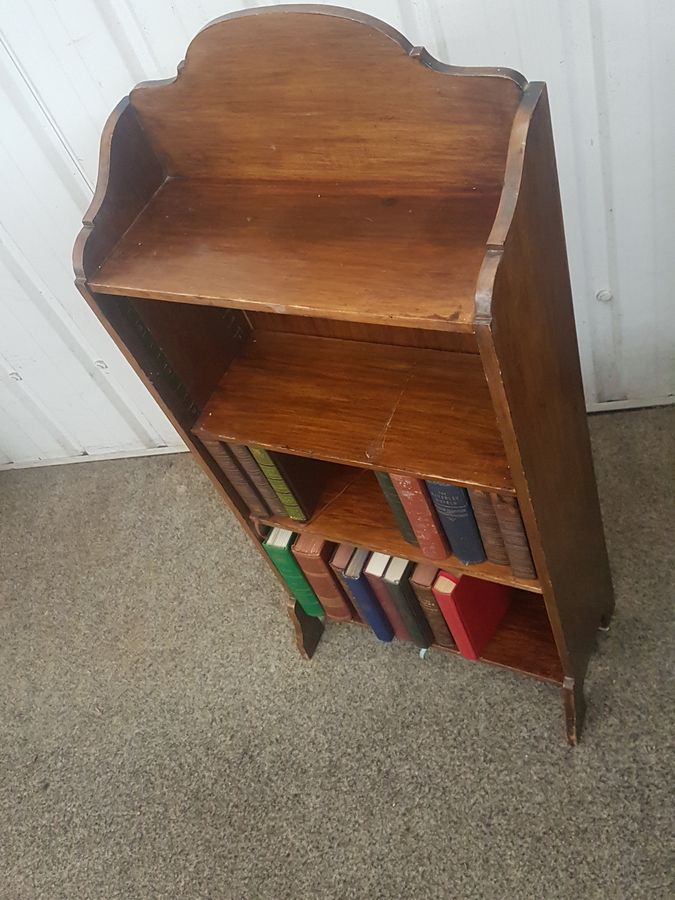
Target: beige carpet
(160, 737)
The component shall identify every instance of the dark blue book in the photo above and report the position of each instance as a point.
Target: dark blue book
(367, 602)
(454, 510)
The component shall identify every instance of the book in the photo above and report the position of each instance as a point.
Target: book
(488, 526)
(374, 572)
(367, 601)
(296, 480)
(395, 505)
(396, 579)
(422, 578)
(422, 516)
(313, 554)
(338, 564)
(473, 608)
(243, 456)
(239, 480)
(513, 533)
(458, 522)
(277, 545)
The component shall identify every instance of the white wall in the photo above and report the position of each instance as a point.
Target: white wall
(65, 391)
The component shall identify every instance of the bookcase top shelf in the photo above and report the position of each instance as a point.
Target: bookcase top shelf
(401, 409)
(390, 256)
(310, 161)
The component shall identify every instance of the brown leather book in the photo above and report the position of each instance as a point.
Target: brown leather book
(338, 564)
(488, 526)
(220, 453)
(313, 555)
(513, 532)
(243, 456)
(422, 516)
(421, 581)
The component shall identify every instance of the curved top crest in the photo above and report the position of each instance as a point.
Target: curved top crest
(324, 93)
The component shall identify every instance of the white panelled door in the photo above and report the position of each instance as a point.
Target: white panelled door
(66, 393)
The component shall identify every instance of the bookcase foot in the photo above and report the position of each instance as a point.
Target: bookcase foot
(308, 629)
(575, 709)
(605, 620)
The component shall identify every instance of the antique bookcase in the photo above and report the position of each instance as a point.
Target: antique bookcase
(355, 253)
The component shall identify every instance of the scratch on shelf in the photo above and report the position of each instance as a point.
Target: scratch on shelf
(377, 446)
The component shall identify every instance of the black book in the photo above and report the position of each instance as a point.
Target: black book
(396, 579)
(454, 510)
(396, 507)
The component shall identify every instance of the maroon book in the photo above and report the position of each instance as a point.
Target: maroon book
(313, 555)
(374, 572)
(422, 516)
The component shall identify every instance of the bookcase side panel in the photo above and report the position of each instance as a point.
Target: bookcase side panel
(529, 348)
(162, 388)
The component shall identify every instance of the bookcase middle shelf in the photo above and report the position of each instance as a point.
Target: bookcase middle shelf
(352, 509)
(418, 411)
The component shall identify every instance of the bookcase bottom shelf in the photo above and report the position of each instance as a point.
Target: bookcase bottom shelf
(523, 641)
(352, 509)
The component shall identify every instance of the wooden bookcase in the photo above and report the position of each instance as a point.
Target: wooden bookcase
(355, 253)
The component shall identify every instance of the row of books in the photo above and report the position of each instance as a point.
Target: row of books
(440, 518)
(474, 525)
(394, 596)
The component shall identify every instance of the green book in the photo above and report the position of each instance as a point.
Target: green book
(271, 468)
(277, 545)
(396, 507)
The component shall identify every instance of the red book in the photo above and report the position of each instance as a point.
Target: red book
(422, 516)
(313, 555)
(374, 572)
(472, 608)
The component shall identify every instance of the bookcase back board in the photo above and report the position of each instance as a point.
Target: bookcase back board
(319, 240)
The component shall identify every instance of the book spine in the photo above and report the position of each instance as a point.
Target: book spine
(388, 606)
(454, 622)
(278, 484)
(421, 515)
(370, 609)
(513, 532)
(395, 505)
(243, 456)
(488, 526)
(454, 511)
(346, 587)
(297, 583)
(220, 454)
(429, 606)
(325, 586)
(405, 601)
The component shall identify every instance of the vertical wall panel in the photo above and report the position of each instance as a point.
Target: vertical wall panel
(65, 390)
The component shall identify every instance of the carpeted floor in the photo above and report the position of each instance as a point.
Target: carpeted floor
(160, 737)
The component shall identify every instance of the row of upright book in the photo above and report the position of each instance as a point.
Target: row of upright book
(439, 518)
(395, 597)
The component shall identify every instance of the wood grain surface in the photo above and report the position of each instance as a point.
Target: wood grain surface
(401, 409)
(396, 258)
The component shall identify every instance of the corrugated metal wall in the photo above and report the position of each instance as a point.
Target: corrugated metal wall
(65, 391)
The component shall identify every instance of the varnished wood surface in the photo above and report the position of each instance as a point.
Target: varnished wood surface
(458, 341)
(128, 175)
(409, 256)
(523, 641)
(324, 94)
(352, 509)
(401, 409)
(529, 347)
